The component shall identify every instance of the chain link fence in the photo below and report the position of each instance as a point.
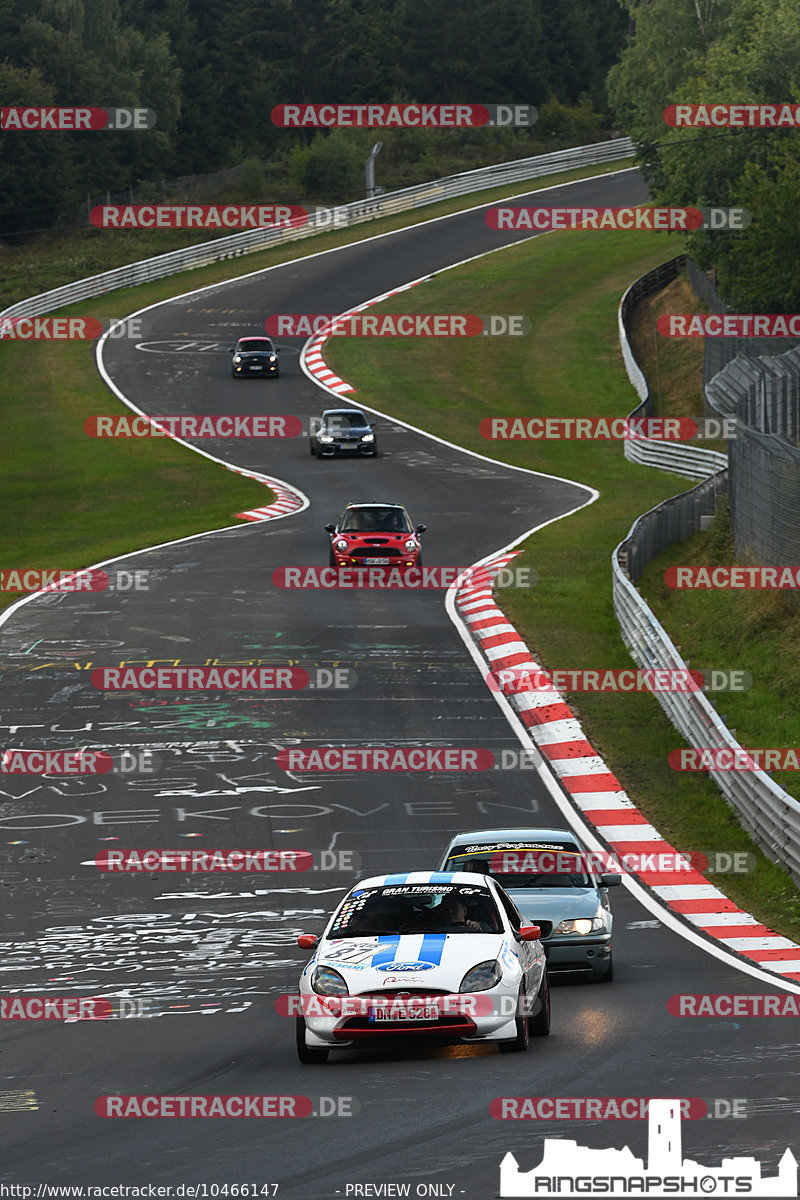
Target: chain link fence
(766, 810)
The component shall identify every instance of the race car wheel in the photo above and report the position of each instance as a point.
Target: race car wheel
(540, 1023)
(311, 450)
(306, 1054)
(609, 975)
(523, 1038)
(331, 559)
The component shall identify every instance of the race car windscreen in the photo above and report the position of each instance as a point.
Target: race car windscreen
(257, 346)
(417, 908)
(351, 419)
(376, 520)
(523, 864)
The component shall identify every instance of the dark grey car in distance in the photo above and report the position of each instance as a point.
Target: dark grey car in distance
(342, 431)
(254, 356)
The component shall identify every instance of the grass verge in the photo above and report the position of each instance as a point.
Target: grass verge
(569, 284)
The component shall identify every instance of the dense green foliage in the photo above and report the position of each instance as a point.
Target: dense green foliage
(724, 52)
(213, 72)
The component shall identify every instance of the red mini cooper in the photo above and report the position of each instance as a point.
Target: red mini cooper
(375, 535)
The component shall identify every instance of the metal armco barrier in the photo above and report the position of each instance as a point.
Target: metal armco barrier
(690, 461)
(765, 810)
(351, 214)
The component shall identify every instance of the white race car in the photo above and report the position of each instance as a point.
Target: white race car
(440, 957)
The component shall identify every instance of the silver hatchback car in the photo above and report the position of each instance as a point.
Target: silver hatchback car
(571, 907)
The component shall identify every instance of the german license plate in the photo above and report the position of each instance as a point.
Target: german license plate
(398, 1012)
(376, 562)
(256, 368)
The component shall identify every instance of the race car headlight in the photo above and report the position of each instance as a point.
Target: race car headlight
(580, 925)
(341, 544)
(327, 982)
(326, 438)
(237, 358)
(273, 358)
(368, 437)
(410, 545)
(482, 977)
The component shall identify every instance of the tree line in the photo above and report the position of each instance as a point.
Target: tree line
(213, 72)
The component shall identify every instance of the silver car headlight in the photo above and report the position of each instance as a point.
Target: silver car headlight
(580, 925)
(368, 437)
(482, 977)
(341, 544)
(327, 982)
(410, 545)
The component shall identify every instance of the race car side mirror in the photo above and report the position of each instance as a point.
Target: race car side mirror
(330, 529)
(421, 528)
(529, 933)
(307, 941)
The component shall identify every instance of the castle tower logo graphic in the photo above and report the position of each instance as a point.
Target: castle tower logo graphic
(568, 1169)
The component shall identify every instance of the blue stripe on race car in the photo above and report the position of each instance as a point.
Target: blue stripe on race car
(432, 947)
(441, 877)
(391, 880)
(388, 949)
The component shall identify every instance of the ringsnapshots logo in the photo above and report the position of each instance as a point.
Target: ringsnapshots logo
(403, 116)
(568, 1169)
(642, 218)
(732, 116)
(729, 325)
(76, 119)
(225, 425)
(398, 325)
(587, 429)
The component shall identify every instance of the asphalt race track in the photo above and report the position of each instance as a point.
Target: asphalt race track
(212, 953)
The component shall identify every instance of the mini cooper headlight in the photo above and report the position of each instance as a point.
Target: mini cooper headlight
(273, 358)
(341, 544)
(410, 545)
(368, 437)
(482, 977)
(237, 358)
(580, 925)
(327, 982)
